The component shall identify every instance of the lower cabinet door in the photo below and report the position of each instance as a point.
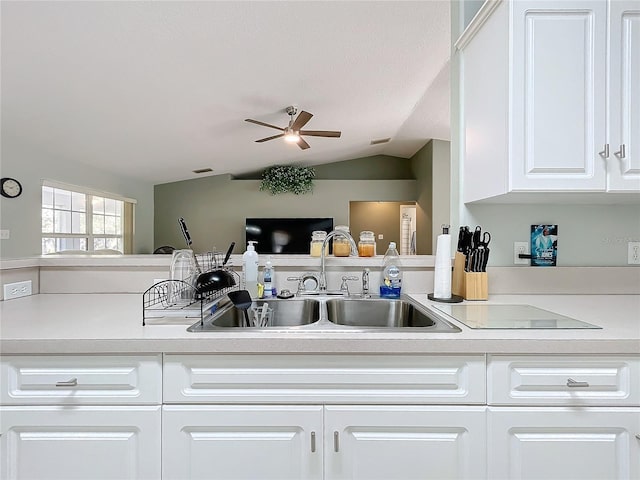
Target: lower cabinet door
(80, 442)
(405, 442)
(233, 442)
(564, 443)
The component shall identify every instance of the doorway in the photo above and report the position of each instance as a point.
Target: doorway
(384, 219)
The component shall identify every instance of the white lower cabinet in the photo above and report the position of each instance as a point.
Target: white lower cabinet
(80, 442)
(563, 443)
(563, 417)
(233, 442)
(402, 442)
(84, 417)
(325, 417)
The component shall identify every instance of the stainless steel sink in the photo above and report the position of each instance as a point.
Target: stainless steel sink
(384, 313)
(286, 313)
(334, 314)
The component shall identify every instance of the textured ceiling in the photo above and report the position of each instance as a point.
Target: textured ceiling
(155, 90)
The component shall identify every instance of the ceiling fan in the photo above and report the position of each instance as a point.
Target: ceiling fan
(292, 133)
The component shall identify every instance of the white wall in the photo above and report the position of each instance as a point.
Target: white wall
(22, 215)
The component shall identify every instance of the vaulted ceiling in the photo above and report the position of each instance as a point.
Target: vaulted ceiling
(156, 89)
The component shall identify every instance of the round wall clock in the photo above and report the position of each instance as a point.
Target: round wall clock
(11, 187)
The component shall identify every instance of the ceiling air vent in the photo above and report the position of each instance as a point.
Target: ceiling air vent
(379, 141)
(203, 170)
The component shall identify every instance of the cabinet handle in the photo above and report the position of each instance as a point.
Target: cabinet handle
(336, 442)
(605, 153)
(622, 152)
(69, 383)
(572, 383)
(313, 442)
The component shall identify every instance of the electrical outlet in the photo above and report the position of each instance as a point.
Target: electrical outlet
(518, 248)
(17, 290)
(633, 255)
(5, 234)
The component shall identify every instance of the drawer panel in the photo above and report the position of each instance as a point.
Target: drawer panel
(563, 380)
(324, 379)
(80, 379)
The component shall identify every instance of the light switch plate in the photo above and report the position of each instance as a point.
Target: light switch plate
(5, 234)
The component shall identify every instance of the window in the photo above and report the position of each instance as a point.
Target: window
(84, 221)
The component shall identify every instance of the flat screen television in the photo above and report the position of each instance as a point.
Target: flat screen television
(284, 235)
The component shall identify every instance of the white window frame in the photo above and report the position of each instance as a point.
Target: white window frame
(90, 236)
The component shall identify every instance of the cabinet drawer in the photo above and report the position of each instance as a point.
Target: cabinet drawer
(80, 379)
(324, 379)
(564, 380)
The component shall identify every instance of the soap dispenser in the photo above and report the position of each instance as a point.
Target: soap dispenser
(250, 269)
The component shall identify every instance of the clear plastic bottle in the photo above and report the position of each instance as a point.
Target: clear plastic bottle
(367, 244)
(317, 238)
(391, 274)
(268, 279)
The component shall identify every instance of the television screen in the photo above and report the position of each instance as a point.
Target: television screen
(284, 235)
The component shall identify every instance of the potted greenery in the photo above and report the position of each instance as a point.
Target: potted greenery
(288, 178)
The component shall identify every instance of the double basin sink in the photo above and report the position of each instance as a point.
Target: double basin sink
(344, 313)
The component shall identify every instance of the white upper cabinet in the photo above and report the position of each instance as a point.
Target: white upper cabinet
(624, 106)
(547, 103)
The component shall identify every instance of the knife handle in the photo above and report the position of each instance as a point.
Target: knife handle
(226, 257)
(185, 232)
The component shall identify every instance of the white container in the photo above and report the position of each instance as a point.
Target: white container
(250, 269)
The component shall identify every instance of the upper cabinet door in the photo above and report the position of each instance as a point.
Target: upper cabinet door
(624, 107)
(558, 59)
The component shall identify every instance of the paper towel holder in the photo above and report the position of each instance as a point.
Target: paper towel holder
(452, 299)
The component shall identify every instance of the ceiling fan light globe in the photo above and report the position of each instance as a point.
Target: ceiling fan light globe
(292, 137)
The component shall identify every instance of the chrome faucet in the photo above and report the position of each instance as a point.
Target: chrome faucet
(354, 251)
(365, 283)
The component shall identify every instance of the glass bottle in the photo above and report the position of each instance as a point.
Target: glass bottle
(317, 238)
(341, 244)
(367, 244)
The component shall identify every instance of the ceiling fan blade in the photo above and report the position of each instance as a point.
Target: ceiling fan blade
(270, 138)
(302, 144)
(301, 121)
(320, 133)
(262, 123)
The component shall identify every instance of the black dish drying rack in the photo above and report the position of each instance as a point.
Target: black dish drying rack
(178, 299)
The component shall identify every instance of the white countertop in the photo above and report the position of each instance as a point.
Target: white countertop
(112, 323)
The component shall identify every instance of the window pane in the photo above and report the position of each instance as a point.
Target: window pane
(110, 206)
(110, 225)
(78, 202)
(97, 204)
(62, 221)
(48, 245)
(78, 222)
(62, 199)
(114, 243)
(98, 224)
(47, 220)
(98, 243)
(71, 244)
(47, 197)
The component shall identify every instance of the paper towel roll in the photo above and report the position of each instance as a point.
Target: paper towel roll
(442, 271)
